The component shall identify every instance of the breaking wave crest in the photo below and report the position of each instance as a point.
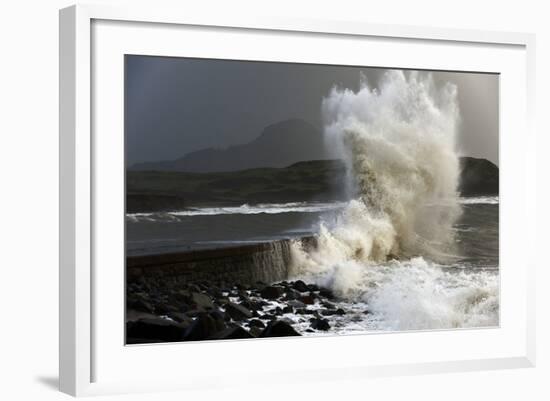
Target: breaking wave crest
(388, 245)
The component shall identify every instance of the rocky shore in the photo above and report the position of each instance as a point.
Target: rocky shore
(176, 310)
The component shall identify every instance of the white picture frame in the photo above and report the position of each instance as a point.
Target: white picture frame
(88, 363)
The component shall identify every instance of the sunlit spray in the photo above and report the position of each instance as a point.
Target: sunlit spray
(398, 141)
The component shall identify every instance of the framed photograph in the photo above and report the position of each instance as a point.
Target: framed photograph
(249, 190)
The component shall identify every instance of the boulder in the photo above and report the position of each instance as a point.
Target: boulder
(291, 294)
(300, 286)
(165, 309)
(139, 302)
(220, 319)
(156, 329)
(231, 333)
(288, 309)
(256, 331)
(320, 324)
(279, 328)
(296, 304)
(237, 312)
(202, 300)
(256, 323)
(272, 292)
(180, 317)
(307, 299)
(203, 327)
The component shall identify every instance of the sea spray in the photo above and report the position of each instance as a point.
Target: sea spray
(398, 143)
(387, 245)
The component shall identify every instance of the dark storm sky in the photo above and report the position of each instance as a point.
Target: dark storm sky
(177, 105)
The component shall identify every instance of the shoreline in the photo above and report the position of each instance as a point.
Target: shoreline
(265, 262)
(219, 294)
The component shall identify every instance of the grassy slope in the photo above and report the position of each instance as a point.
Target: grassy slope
(320, 180)
(155, 190)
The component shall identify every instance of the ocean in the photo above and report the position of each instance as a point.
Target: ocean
(413, 293)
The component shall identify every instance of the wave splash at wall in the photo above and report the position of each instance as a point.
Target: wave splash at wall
(398, 142)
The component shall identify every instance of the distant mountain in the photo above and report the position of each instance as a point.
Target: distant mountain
(279, 145)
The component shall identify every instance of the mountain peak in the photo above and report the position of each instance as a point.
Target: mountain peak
(279, 144)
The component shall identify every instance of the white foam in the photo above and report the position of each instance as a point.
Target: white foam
(266, 208)
(480, 200)
(398, 142)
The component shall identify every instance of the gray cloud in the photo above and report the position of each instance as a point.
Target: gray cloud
(177, 105)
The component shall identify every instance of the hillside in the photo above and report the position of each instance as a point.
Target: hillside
(317, 180)
(161, 190)
(478, 177)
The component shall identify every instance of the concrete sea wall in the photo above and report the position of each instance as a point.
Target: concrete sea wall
(248, 264)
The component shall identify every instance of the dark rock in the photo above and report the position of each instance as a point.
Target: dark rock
(180, 317)
(296, 304)
(165, 309)
(141, 305)
(182, 295)
(279, 328)
(288, 309)
(220, 319)
(340, 311)
(256, 323)
(278, 311)
(195, 312)
(133, 315)
(243, 296)
(203, 327)
(231, 333)
(291, 294)
(320, 324)
(272, 292)
(256, 331)
(194, 288)
(307, 299)
(313, 287)
(222, 300)
(300, 286)
(237, 312)
(202, 300)
(253, 306)
(478, 177)
(326, 293)
(155, 329)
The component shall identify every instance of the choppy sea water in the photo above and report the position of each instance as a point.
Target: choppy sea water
(411, 294)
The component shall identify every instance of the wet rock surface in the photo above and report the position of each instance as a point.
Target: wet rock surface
(174, 311)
